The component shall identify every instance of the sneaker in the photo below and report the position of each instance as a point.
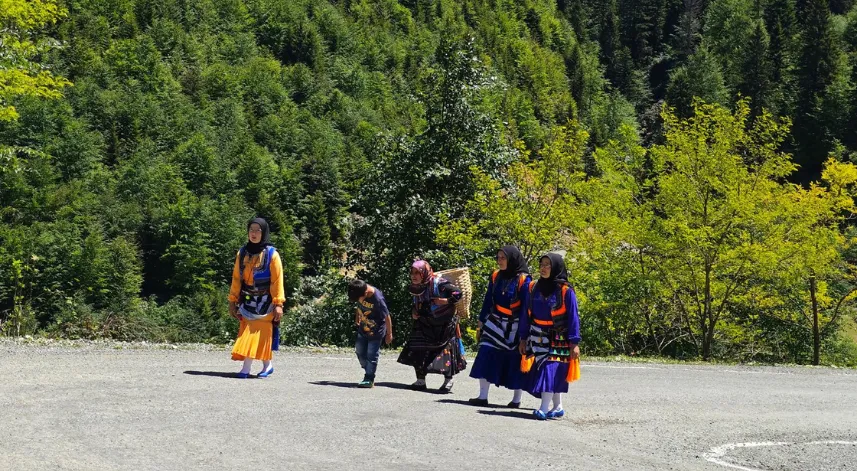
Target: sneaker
(540, 415)
(513, 405)
(366, 383)
(556, 414)
(475, 401)
(446, 387)
(419, 385)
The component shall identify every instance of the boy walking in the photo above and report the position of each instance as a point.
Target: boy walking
(373, 325)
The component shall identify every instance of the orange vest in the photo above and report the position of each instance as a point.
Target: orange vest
(557, 313)
(516, 303)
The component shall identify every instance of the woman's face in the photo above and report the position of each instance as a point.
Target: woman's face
(502, 261)
(416, 276)
(255, 233)
(545, 267)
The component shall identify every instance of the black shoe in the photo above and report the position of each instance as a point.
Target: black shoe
(475, 401)
(419, 386)
(513, 405)
(446, 387)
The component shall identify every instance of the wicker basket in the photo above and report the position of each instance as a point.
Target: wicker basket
(460, 277)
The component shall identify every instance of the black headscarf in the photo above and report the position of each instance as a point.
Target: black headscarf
(256, 248)
(515, 262)
(558, 277)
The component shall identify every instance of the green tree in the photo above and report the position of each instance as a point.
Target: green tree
(700, 78)
(781, 25)
(722, 210)
(21, 45)
(817, 68)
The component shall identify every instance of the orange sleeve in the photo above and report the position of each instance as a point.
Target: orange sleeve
(278, 293)
(235, 289)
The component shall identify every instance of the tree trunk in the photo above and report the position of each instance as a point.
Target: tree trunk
(708, 330)
(816, 332)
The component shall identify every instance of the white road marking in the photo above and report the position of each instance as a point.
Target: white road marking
(717, 453)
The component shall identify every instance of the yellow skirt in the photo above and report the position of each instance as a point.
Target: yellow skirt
(255, 339)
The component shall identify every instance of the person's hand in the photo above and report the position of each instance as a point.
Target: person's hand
(522, 347)
(479, 325)
(278, 313)
(389, 337)
(440, 301)
(415, 315)
(233, 311)
(575, 353)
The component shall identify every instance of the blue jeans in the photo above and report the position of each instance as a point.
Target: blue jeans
(368, 352)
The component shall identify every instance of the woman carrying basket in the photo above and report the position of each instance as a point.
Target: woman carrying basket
(499, 361)
(550, 334)
(433, 346)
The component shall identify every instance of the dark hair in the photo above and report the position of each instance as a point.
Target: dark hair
(356, 289)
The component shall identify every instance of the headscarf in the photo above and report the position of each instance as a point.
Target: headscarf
(255, 248)
(515, 262)
(425, 269)
(558, 276)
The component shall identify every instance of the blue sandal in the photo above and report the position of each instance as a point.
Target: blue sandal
(266, 373)
(556, 414)
(540, 415)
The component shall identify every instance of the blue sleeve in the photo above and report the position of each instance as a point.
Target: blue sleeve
(573, 318)
(524, 316)
(487, 303)
(523, 319)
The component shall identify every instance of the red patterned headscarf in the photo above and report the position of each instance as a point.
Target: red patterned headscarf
(424, 268)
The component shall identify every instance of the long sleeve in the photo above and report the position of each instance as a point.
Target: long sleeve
(278, 293)
(235, 289)
(573, 317)
(524, 315)
(450, 291)
(487, 303)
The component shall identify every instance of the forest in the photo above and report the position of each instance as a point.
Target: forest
(694, 159)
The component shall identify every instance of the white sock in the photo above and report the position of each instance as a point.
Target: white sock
(266, 365)
(546, 402)
(516, 398)
(483, 388)
(248, 362)
(557, 401)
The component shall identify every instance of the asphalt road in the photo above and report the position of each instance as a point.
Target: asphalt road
(154, 408)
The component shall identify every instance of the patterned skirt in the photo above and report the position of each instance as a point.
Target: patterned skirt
(551, 352)
(433, 349)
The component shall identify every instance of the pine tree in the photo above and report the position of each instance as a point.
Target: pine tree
(615, 57)
(756, 71)
(816, 72)
(781, 25)
(700, 78)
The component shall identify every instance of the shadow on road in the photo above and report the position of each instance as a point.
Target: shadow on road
(340, 384)
(393, 386)
(216, 374)
(462, 402)
(515, 414)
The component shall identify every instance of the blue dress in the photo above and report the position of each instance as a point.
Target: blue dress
(498, 359)
(552, 329)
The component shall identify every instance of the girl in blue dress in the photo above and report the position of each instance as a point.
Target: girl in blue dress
(550, 334)
(498, 361)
